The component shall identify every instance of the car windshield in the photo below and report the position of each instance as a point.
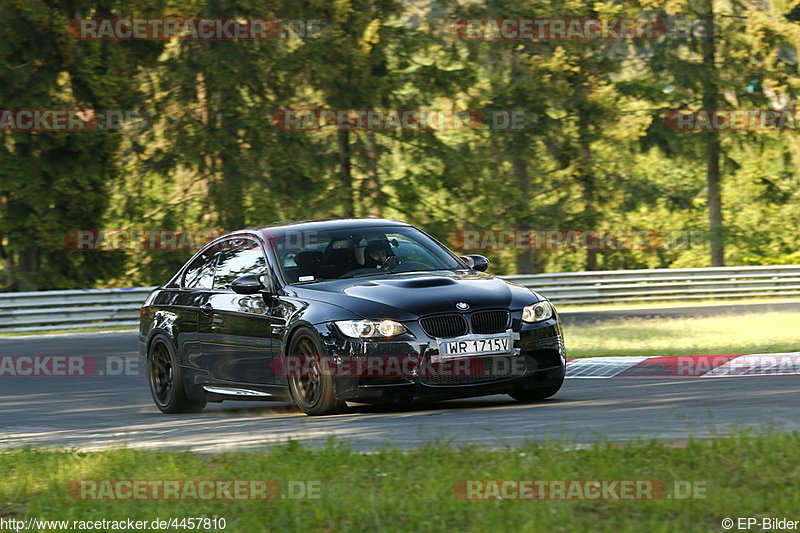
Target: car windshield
(309, 256)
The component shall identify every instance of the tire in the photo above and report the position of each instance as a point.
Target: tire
(166, 383)
(535, 395)
(312, 389)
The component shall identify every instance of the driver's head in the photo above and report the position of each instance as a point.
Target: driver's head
(379, 250)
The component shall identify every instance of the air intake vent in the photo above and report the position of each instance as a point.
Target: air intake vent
(444, 326)
(490, 321)
(494, 369)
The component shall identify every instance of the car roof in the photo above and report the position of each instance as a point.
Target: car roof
(279, 228)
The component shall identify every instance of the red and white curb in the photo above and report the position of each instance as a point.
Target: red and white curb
(686, 366)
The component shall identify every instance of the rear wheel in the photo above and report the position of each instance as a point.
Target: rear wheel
(166, 385)
(311, 385)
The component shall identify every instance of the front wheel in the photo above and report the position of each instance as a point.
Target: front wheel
(534, 395)
(310, 383)
(166, 385)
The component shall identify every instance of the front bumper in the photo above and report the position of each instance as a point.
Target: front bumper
(411, 366)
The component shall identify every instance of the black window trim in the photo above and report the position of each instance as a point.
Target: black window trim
(270, 283)
(181, 279)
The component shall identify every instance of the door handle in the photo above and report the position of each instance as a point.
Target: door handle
(206, 309)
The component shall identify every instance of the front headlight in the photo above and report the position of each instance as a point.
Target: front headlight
(363, 329)
(537, 312)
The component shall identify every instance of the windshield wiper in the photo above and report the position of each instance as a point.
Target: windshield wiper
(315, 280)
(366, 274)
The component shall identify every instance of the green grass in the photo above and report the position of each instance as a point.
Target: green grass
(61, 331)
(676, 303)
(732, 334)
(744, 475)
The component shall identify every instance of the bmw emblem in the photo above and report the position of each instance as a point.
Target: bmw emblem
(463, 306)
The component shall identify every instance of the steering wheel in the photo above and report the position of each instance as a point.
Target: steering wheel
(390, 263)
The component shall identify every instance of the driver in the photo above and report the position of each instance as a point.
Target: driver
(378, 252)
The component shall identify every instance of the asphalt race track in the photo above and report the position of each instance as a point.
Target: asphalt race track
(112, 407)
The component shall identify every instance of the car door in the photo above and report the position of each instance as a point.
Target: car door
(195, 283)
(237, 341)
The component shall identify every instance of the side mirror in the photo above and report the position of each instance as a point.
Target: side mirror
(476, 262)
(249, 284)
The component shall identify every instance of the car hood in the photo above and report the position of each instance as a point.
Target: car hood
(407, 296)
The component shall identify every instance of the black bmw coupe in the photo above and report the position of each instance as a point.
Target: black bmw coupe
(324, 312)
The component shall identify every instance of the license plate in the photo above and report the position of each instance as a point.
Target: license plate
(476, 346)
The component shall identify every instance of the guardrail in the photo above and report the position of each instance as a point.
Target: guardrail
(48, 310)
(662, 284)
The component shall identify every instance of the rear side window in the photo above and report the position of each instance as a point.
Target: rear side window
(237, 258)
(200, 272)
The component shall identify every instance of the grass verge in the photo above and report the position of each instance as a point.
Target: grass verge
(700, 302)
(732, 334)
(742, 475)
(97, 329)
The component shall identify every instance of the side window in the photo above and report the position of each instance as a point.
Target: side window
(237, 258)
(200, 273)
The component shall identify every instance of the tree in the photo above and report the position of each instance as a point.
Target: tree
(54, 181)
(727, 55)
